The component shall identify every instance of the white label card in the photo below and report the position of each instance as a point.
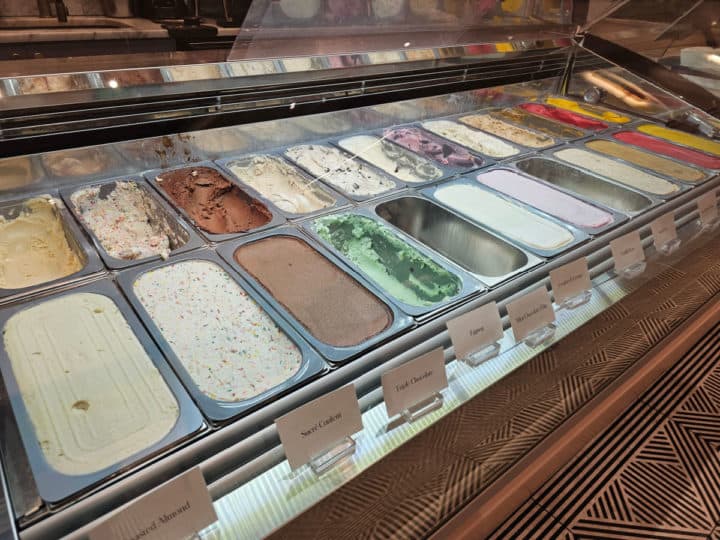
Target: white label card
(316, 426)
(664, 230)
(179, 508)
(475, 329)
(627, 250)
(414, 381)
(570, 280)
(530, 312)
(707, 208)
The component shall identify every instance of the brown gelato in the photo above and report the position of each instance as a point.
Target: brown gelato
(334, 308)
(215, 204)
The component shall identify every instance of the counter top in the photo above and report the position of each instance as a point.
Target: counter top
(85, 28)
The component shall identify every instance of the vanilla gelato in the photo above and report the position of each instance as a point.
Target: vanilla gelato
(505, 217)
(93, 395)
(475, 140)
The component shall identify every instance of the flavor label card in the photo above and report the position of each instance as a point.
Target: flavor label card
(707, 208)
(627, 250)
(414, 381)
(316, 426)
(530, 312)
(473, 330)
(663, 230)
(570, 280)
(179, 508)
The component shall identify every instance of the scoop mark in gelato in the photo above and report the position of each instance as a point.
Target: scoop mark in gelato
(345, 172)
(432, 147)
(127, 221)
(394, 265)
(282, 184)
(214, 203)
(34, 247)
(391, 158)
(93, 395)
(473, 139)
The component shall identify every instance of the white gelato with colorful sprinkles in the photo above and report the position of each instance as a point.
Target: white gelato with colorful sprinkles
(230, 347)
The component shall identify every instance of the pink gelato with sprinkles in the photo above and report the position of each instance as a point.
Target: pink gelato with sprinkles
(229, 345)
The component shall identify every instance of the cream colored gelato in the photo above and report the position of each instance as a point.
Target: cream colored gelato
(508, 131)
(393, 159)
(509, 219)
(615, 170)
(300, 9)
(34, 248)
(230, 347)
(281, 184)
(93, 395)
(252, 67)
(473, 139)
(340, 170)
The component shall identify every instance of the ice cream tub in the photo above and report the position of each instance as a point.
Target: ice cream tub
(665, 166)
(520, 136)
(128, 222)
(519, 117)
(228, 346)
(418, 282)
(83, 163)
(98, 403)
(221, 209)
(339, 313)
(479, 142)
(287, 188)
(353, 177)
(617, 171)
(454, 159)
(452, 237)
(42, 247)
(192, 72)
(514, 221)
(586, 186)
(591, 218)
(403, 165)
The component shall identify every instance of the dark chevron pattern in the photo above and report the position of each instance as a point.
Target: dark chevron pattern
(654, 474)
(416, 488)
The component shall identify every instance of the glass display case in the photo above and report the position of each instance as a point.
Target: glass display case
(188, 251)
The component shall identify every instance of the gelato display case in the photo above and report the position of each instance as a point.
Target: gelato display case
(189, 252)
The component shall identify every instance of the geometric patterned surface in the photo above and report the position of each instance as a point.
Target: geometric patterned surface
(655, 473)
(669, 488)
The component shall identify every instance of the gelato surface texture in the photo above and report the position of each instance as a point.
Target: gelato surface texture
(549, 200)
(598, 113)
(93, 395)
(659, 146)
(537, 123)
(473, 139)
(505, 217)
(282, 184)
(127, 221)
(680, 137)
(329, 303)
(229, 345)
(340, 170)
(395, 266)
(34, 248)
(615, 170)
(421, 142)
(214, 203)
(655, 163)
(561, 115)
(194, 73)
(391, 158)
(518, 135)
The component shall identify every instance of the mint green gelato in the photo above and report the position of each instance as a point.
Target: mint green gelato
(395, 266)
